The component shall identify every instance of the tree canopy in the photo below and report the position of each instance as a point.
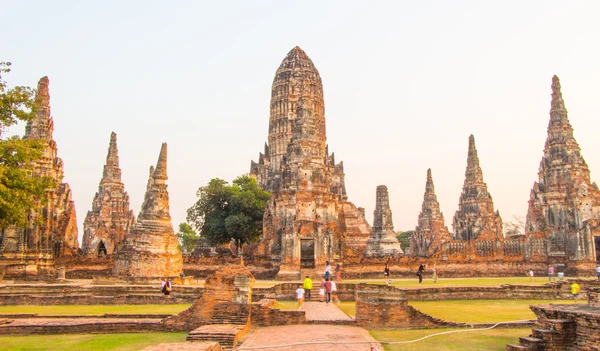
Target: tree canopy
(19, 190)
(187, 238)
(224, 212)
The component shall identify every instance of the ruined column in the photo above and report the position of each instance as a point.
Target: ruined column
(382, 241)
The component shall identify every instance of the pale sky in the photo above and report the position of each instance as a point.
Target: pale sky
(405, 84)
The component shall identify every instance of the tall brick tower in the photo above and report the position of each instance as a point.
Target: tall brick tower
(309, 220)
(564, 204)
(476, 217)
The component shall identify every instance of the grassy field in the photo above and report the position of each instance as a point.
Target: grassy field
(483, 311)
(489, 340)
(95, 309)
(466, 311)
(88, 342)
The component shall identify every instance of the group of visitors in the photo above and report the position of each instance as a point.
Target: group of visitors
(420, 271)
(327, 290)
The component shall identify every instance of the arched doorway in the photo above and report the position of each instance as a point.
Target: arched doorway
(101, 249)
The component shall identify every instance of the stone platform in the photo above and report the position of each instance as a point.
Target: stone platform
(185, 346)
(325, 313)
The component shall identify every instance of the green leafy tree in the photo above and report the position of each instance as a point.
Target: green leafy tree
(224, 212)
(187, 237)
(404, 239)
(19, 190)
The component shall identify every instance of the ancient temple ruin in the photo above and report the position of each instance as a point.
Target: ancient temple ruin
(564, 204)
(309, 219)
(431, 231)
(150, 250)
(110, 219)
(383, 241)
(52, 228)
(476, 218)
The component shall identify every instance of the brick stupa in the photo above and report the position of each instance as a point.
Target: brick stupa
(476, 218)
(110, 219)
(309, 219)
(150, 251)
(431, 231)
(52, 229)
(383, 241)
(564, 204)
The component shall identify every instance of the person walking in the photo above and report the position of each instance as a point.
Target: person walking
(327, 274)
(386, 274)
(551, 273)
(435, 273)
(598, 271)
(307, 285)
(328, 288)
(322, 290)
(300, 296)
(420, 273)
(338, 273)
(575, 290)
(334, 296)
(530, 274)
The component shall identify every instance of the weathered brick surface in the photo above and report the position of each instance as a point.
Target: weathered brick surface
(110, 218)
(151, 249)
(383, 241)
(564, 203)
(186, 346)
(79, 325)
(264, 314)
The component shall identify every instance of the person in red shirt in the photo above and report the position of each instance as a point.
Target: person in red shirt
(328, 289)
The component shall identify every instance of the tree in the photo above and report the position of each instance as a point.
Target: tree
(19, 190)
(187, 237)
(224, 212)
(404, 239)
(514, 227)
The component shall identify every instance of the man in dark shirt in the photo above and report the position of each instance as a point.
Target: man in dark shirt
(327, 287)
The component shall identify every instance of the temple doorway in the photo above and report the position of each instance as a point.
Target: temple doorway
(597, 245)
(101, 249)
(307, 253)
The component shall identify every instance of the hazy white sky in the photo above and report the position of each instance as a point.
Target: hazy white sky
(405, 84)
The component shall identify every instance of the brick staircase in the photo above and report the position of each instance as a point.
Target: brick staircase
(552, 335)
(226, 327)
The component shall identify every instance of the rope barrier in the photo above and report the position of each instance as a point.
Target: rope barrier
(375, 342)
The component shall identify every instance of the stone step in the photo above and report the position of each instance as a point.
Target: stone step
(536, 344)
(513, 347)
(544, 334)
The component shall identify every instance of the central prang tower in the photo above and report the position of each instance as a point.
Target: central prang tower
(308, 220)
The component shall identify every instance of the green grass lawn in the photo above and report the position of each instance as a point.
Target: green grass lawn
(88, 342)
(466, 311)
(95, 309)
(489, 340)
(482, 311)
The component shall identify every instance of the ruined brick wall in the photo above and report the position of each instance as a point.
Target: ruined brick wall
(384, 307)
(264, 314)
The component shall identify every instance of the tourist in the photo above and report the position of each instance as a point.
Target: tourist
(307, 287)
(338, 273)
(551, 273)
(334, 292)
(435, 273)
(327, 287)
(420, 273)
(322, 290)
(574, 290)
(182, 277)
(327, 274)
(598, 271)
(166, 287)
(530, 274)
(386, 274)
(300, 296)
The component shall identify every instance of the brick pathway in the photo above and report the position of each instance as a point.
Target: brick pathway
(328, 334)
(321, 311)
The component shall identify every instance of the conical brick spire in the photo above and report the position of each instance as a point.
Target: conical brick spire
(151, 250)
(476, 217)
(383, 240)
(112, 172)
(41, 126)
(110, 219)
(431, 231)
(564, 199)
(161, 165)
